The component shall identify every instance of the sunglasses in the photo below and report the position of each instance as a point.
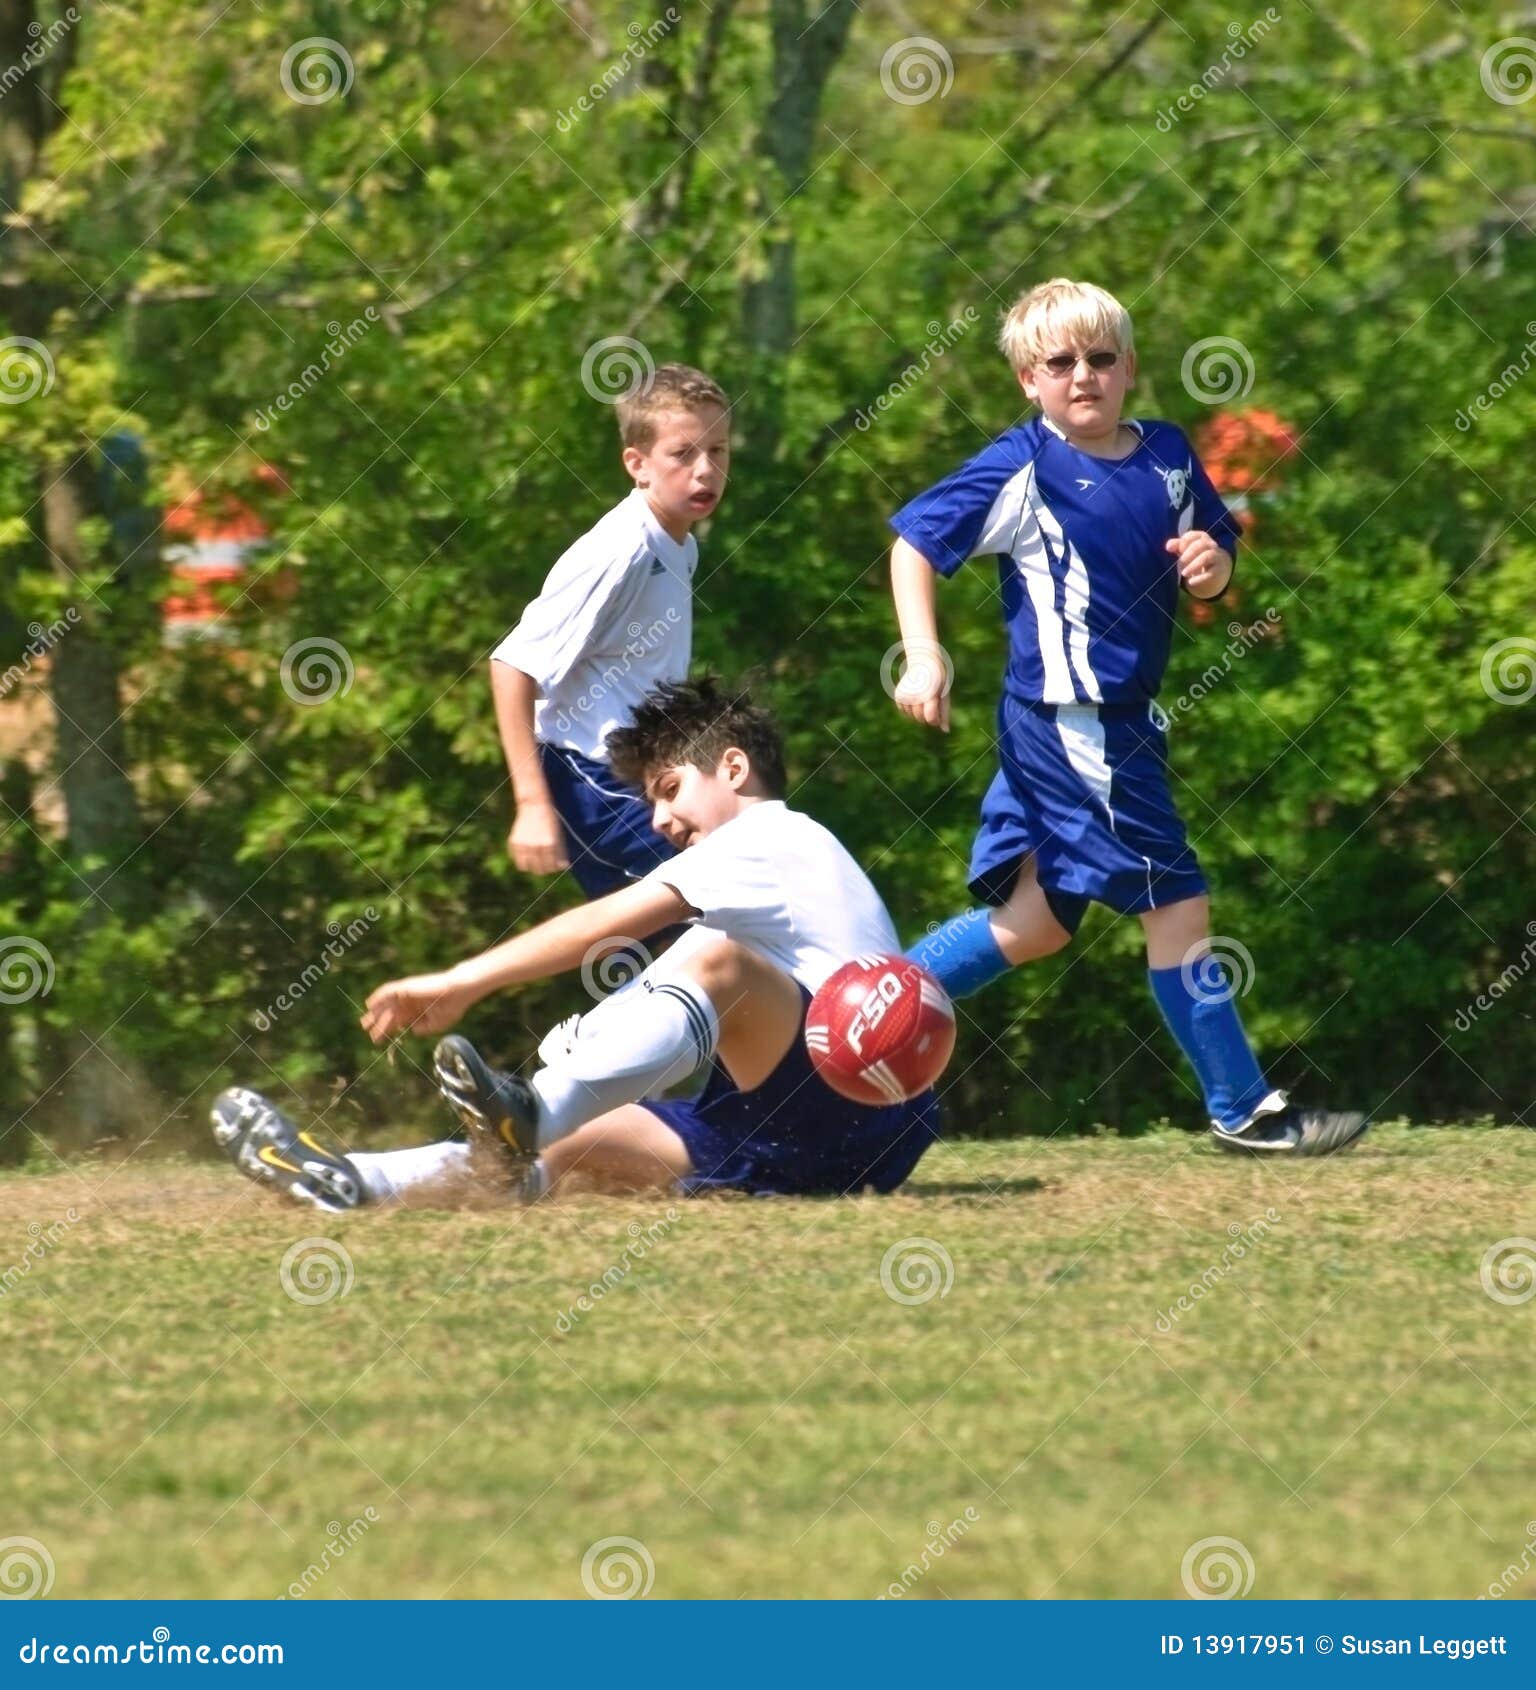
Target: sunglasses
(1064, 363)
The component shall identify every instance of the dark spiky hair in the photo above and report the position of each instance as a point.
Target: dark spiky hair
(697, 722)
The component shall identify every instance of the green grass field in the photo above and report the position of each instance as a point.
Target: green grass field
(745, 1399)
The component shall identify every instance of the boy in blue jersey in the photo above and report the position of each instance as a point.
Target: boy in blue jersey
(1097, 524)
(613, 621)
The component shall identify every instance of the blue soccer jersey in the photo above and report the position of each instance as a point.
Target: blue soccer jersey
(1089, 588)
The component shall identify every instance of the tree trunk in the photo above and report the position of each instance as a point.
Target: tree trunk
(87, 699)
(804, 54)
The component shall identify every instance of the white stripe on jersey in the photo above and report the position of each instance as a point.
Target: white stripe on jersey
(1019, 524)
(1013, 528)
(1074, 603)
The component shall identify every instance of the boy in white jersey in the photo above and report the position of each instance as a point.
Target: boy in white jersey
(777, 905)
(614, 620)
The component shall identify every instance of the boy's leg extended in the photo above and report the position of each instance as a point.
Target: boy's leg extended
(970, 951)
(704, 997)
(707, 997)
(1199, 1002)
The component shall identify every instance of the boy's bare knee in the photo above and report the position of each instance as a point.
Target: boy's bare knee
(1026, 927)
(1175, 931)
(719, 967)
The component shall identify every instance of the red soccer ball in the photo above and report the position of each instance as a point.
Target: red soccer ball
(880, 1030)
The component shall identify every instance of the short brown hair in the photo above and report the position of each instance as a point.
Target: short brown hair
(697, 722)
(672, 387)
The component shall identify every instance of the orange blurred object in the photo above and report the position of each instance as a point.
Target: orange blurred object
(1242, 450)
(214, 537)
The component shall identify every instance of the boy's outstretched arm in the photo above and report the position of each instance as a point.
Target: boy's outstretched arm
(923, 691)
(431, 1003)
(536, 843)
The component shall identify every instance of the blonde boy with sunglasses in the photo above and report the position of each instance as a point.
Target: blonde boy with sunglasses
(1097, 524)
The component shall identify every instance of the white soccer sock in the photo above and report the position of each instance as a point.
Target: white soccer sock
(388, 1176)
(633, 1045)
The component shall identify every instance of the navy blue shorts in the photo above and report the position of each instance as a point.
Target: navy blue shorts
(1085, 788)
(608, 832)
(793, 1135)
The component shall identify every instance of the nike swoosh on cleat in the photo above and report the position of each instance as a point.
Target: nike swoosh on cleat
(268, 1155)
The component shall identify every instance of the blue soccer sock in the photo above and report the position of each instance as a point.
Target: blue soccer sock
(1197, 1003)
(962, 955)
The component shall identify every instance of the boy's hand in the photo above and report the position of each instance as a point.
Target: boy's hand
(424, 1003)
(536, 843)
(923, 691)
(1203, 566)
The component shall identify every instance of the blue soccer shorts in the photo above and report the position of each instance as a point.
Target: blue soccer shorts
(794, 1135)
(1085, 788)
(608, 832)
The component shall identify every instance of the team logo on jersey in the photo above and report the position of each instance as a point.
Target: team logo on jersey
(1177, 483)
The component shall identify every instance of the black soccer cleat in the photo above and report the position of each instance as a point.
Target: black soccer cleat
(494, 1107)
(266, 1146)
(1280, 1128)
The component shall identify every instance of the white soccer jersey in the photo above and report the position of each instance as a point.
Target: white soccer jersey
(613, 622)
(779, 883)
